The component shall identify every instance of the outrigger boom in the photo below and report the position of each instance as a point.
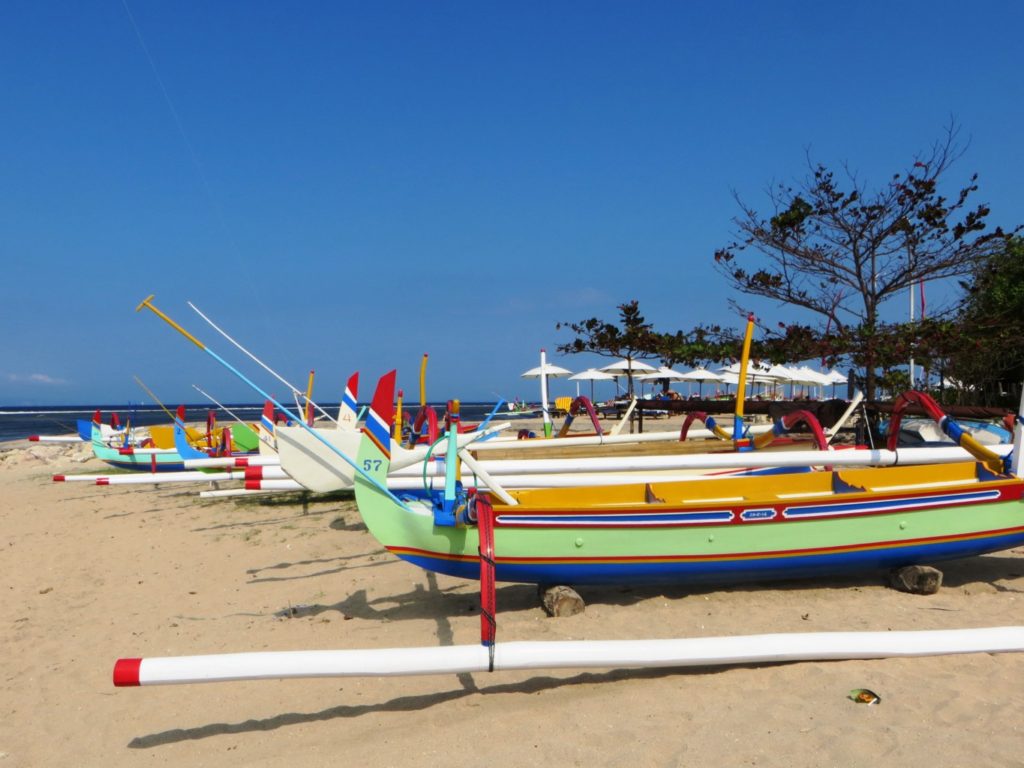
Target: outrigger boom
(614, 654)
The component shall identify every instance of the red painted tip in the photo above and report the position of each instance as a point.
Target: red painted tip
(58, 478)
(103, 481)
(126, 673)
(254, 473)
(241, 462)
(252, 485)
(34, 439)
(353, 384)
(126, 451)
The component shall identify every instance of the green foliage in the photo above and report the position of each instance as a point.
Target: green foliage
(633, 338)
(699, 346)
(990, 353)
(840, 251)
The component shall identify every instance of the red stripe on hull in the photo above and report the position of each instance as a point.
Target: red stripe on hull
(776, 554)
(1013, 492)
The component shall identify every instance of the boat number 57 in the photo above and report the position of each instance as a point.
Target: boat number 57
(371, 465)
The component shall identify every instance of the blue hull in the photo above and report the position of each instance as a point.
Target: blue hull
(722, 571)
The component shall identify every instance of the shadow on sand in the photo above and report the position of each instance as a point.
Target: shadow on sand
(401, 704)
(1003, 573)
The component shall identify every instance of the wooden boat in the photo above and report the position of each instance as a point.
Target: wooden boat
(143, 459)
(112, 434)
(310, 455)
(236, 440)
(767, 526)
(161, 458)
(311, 459)
(742, 528)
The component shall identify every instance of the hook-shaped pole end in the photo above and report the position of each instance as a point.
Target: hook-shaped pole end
(148, 304)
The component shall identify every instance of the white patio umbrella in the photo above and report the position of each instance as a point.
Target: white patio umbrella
(700, 375)
(624, 365)
(835, 377)
(591, 375)
(549, 369)
(781, 374)
(628, 368)
(728, 379)
(757, 373)
(806, 375)
(662, 374)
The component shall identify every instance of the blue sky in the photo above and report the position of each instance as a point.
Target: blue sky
(345, 186)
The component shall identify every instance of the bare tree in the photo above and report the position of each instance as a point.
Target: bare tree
(840, 251)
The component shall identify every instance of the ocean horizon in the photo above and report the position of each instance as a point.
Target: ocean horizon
(22, 422)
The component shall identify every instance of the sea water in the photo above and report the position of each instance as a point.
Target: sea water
(19, 423)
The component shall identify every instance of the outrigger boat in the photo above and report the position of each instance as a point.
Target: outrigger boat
(111, 433)
(783, 526)
(144, 459)
(162, 457)
(312, 457)
(740, 528)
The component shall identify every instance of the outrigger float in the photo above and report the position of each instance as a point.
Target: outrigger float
(827, 521)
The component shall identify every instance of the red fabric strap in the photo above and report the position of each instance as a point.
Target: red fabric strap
(488, 598)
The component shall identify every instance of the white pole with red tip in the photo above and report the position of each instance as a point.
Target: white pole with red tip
(607, 654)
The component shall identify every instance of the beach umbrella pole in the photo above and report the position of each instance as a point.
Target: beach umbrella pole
(544, 393)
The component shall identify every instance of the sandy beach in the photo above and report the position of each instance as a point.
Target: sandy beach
(96, 573)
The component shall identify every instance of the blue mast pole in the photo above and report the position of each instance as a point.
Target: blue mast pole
(148, 304)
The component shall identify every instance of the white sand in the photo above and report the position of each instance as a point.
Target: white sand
(92, 574)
